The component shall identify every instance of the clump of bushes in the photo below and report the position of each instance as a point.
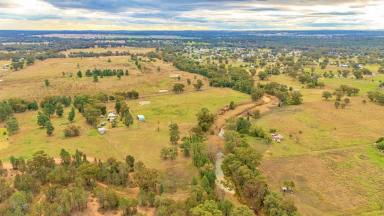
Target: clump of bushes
(72, 131)
(380, 144)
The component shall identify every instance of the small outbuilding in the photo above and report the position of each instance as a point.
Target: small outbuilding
(101, 130)
(277, 137)
(141, 118)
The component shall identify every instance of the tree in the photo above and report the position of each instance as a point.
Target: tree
(71, 115)
(146, 178)
(242, 211)
(12, 125)
(198, 85)
(19, 203)
(205, 119)
(65, 157)
(118, 106)
(347, 101)
(79, 74)
(128, 119)
(49, 109)
(296, 98)
(257, 94)
(178, 88)
(108, 199)
(130, 161)
(59, 110)
(168, 153)
(46, 83)
(33, 105)
(49, 127)
(5, 190)
(42, 118)
(174, 133)
(380, 145)
(95, 78)
(243, 125)
(5, 111)
(208, 208)
(358, 74)
(91, 114)
(186, 146)
(337, 104)
(129, 206)
(275, 205)
(263, 75)
(327, 95)
(72, 131)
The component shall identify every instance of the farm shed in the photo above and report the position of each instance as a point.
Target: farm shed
(101, 130)
(175, 76)
(141, 118)
(277, 137)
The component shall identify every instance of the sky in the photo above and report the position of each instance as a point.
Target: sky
(191, 14)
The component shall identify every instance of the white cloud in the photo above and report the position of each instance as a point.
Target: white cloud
(336, 14)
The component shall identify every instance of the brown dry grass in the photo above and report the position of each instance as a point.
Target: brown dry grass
(29, 82)
(132, 50)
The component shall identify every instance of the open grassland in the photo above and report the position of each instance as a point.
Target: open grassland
(28, 83)
(328, 152)
(135, 50)
(345, 182)
(142, 140)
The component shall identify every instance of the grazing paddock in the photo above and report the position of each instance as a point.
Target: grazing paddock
(29, 82)
(132, 50)
(328, 152)
(345, 182)
(316, 126)
(142, 139)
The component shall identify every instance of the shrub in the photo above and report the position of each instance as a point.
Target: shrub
(12, 125)
(72, 131)
(380, 145)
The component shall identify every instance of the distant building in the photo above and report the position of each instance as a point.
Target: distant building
(111, 116)
(101, 130)
(141, 118)
(277, 137)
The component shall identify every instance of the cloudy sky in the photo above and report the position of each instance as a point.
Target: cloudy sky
(191, 14)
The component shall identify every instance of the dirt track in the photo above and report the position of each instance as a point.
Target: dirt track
(264, 105)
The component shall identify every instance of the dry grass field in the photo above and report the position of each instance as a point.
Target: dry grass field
(142, 139)
(328, 152)
(135, 50)
(29, 82)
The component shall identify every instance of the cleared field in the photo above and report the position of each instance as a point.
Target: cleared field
(136, 50)
(29, 82)
(328, 152)
(141, 140)
(345, 182)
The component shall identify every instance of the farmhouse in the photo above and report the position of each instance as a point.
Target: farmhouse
(111, 116)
